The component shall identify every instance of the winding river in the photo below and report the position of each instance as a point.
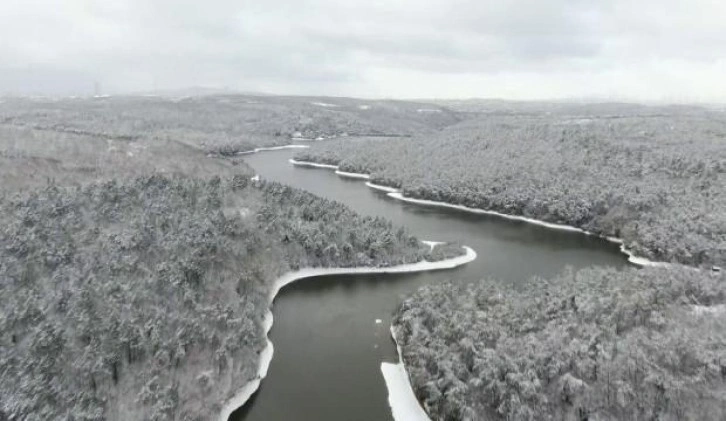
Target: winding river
(331, 333)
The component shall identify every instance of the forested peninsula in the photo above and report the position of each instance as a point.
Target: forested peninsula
(143, 299)
(656, 181)
(136, 270)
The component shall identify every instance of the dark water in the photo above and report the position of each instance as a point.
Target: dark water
(328, 348)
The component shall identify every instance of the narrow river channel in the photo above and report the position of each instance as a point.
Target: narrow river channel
(328, 344)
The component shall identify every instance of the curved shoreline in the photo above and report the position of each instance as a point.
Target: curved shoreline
(401, 396)
(273, 148)
(398, 195)
(353, 175)
(632, 258)
(313, 165)
(243, 395)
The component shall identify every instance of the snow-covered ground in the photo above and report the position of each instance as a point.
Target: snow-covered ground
(353, 175)
(330, 167)
(399, 196)
(324, 104)
(432, 244)
(709, 310)
(251, 387)
(401, 397)
(640, 261)
(381, 188)
(273, 148)
(244, 394)
(313, 165)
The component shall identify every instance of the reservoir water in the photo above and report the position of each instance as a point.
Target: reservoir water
(328, 344)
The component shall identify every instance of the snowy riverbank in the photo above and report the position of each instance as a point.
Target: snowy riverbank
(273, 148)
(398, 195)
(401, 397)
(241, 397)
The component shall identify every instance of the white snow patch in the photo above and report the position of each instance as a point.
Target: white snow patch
(382, 188)
(423, 265)
(353, 175)
(640, 261)
(401, 398)
(244, 394)
(364, 107)
(428, 110)
(251, 387)
(400, 196)
(313, 164)
(709, 310)
(379, 321)
(432, 244)
(336, 168)
(273, 148)
(255, 178)
(324, 104)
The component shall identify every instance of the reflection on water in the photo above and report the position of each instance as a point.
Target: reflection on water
(328, 348)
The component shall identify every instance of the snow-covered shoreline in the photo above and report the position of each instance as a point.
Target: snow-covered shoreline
(632, 258)
(353, 175)
(398, 195)
(335, 168)
(313, 165)
(241, 397)
(382, 188)
(273, 148)
(401, 397)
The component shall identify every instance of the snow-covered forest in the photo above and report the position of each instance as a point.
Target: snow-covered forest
(135, 270)
(596, 344)
(143, 299)
(656, 179)
(137, 256)
(223, 124)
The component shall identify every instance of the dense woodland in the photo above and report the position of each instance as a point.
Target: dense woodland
(136, 256)
(135, 270)
(599, 344)
(656, 180)
(143, 299)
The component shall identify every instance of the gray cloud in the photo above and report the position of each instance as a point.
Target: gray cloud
(666, 49)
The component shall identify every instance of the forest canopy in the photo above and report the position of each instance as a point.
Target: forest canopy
(656, 181)
(143, 299)
(598, 344)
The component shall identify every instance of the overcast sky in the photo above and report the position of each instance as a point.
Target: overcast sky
(662, 50)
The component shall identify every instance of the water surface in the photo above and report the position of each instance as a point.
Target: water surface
(328, 346)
